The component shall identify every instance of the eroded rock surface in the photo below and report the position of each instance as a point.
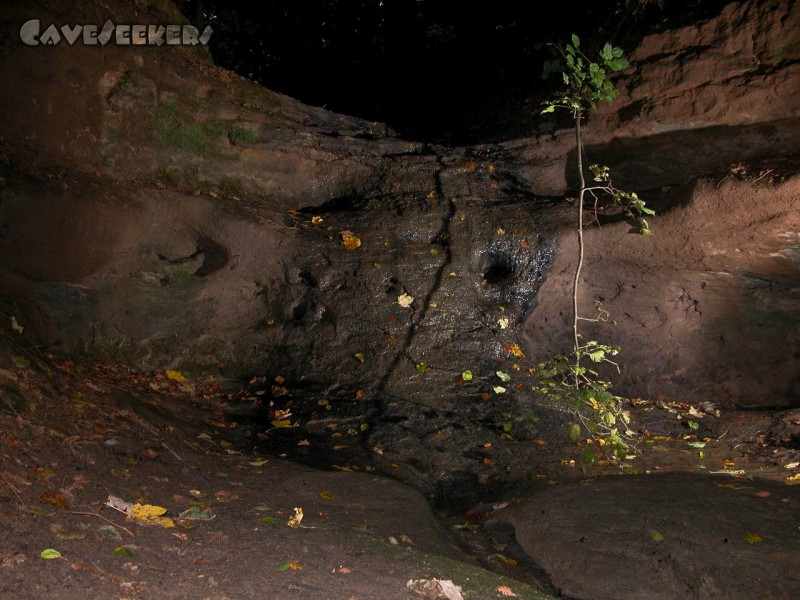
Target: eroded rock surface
(158, 210)
(664, 536)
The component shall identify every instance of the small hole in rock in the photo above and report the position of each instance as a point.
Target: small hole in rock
(497, 274)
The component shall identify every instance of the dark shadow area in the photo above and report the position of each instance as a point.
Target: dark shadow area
(433, 70)
(639, 163)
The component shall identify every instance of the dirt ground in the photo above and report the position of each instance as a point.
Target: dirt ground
(81, 445)
(72, 436)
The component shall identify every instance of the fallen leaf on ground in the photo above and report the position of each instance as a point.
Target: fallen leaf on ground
(514, 350)
(656, 536)
(752, 538)
(292, 565)
(504, 590)
(435, 588)
(176, 376)
(49, 554)
(297, 518)
(55, 499)
(269, 519)
(65, 533)
(509, 561)
(15, 326)
(351, 242)
(405, 300)
(150, 514)
(196, 513)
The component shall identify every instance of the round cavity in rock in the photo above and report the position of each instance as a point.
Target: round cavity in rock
(498, 274)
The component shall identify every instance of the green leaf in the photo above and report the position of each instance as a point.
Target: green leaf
(576, 41)
(575, 432)
(752, 538)
(49, 554)
(597, 356)
(268, 519)
(503, 376)
(21, 362)
(549, 108)
(507, 426)
(123, 551)
(466, 375)
(656, 536)
(617, 64)
(509, 561)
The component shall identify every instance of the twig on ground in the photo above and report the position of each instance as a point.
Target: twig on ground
(109, 521)
(13, 489)
(172, 451)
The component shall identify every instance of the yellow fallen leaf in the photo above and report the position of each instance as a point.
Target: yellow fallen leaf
(509, 561)
(504, 590)
(292, 565)
(351, 242)
(176, 376)
(405, 300)
(325, 495)
(794, 479)
(150, 514)
(316, 220)
(752, 538)
(281, 423)
(656, 536)
(297, 518)
(514, 350)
